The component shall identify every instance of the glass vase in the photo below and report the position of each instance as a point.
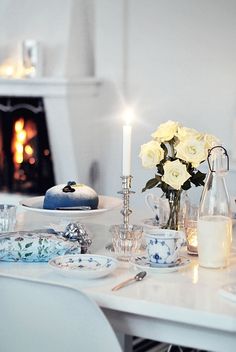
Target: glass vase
(178, 204)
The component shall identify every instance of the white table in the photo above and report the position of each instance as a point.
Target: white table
(182, 307)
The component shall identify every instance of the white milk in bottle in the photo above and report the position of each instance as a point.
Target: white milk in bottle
(214, 241)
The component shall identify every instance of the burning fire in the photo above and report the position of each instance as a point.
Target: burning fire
(20, 137)
(22, 148)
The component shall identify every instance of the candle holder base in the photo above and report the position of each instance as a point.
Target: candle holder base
(125, 243)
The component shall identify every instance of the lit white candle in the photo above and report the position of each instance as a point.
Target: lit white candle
(127, 133)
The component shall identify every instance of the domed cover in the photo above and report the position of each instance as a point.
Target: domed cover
(70, 195)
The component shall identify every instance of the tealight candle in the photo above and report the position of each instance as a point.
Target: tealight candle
(191, 237)
(127, 132)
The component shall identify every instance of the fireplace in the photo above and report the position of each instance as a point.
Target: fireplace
(65, 105)
(26, 164)
(74, 100)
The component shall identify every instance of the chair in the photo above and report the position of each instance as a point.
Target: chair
(43, 317)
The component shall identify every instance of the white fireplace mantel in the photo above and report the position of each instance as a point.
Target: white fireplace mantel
(49, 87)
(62, 100)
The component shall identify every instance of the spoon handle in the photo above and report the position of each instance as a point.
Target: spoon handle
(122, 284)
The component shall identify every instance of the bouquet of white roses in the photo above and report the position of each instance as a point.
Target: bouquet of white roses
(176, 151)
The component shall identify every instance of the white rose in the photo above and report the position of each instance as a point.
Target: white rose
(211, 141)
(185, 132)
(192, 150)
(166, 131)
(151, 154)
(175, 174)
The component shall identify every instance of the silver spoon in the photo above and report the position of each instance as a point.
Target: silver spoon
(139, 277)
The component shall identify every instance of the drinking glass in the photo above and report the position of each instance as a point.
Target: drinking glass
(7, 217)
(191, 229)
(126, 243)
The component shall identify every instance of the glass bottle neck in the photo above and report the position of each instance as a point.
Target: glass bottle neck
(215, 198)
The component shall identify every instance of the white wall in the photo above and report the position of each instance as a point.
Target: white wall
(174, 59)
(63, 28)
(178, 63)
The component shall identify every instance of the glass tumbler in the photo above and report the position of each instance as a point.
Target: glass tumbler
(191, 229)
(7, 217)
(126, 242)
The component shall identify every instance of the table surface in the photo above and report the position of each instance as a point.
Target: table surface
(182, 307)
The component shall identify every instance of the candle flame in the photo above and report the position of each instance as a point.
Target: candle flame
(128, 115)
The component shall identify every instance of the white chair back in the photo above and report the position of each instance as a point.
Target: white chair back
(43, 317)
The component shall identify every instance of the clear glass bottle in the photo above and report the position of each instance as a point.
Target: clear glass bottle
(214, 229)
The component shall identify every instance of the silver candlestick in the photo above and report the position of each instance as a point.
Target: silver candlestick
(126, 191)
(126, 238)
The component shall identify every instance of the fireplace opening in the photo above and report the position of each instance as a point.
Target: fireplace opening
(26, 164)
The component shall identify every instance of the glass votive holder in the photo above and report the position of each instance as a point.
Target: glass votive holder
(190, 226)
(191, 237)
(126, 242)
(7, 217)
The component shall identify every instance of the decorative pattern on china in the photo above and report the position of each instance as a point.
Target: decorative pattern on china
(35, 246)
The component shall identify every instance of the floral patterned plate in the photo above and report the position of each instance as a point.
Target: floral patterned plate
(34, 246)
(144, 264)
(84, 266)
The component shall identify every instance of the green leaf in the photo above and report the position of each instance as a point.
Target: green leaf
(158, 177)
(164, 187)
(150, 184)
(198, 178)
(160, 169)
(186, 185)
(28, 254)
(164, 147)
(28, 245)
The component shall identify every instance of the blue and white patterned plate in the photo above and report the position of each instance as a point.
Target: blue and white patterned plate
(84, 266)
(34, 246)
(144, 264)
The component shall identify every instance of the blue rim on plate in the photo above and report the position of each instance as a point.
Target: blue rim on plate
(145, 264)
(84, 266)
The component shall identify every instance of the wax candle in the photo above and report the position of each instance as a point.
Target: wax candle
(127, 133)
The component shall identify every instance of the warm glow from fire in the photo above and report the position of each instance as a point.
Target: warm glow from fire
(20, 137)
(19, 124)
(22, 150)
(32, 161)
(19, 147)
(29, 150)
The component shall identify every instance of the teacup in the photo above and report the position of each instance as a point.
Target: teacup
(163, 245)
(160, 208)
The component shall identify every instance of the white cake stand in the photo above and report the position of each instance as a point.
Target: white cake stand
(35, 204)
(105, 203)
